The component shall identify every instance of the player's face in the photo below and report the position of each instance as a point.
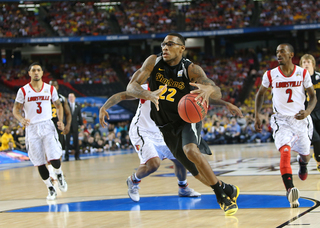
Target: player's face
(172, 49)
(284, 55)
(36, 73)
(56, 85)
(307, 64)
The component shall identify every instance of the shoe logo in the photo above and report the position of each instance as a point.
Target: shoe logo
(160, 69)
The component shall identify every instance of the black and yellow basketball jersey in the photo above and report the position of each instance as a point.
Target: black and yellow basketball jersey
(54, 110)
(177, 80)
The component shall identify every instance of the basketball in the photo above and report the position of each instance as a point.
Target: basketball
(190, 110)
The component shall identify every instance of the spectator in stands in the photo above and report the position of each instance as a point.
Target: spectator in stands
(19, 139)
(96, 130)
(262, 136)
(233, 131)
(6, 138)
(113, 143)
(219, 132)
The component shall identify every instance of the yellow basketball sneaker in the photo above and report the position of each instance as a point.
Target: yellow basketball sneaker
(235, 193)
(318, 166)
(228, 206)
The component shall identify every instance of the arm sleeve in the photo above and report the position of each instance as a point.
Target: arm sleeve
(265, 80)
(54, 95)
(20, 97)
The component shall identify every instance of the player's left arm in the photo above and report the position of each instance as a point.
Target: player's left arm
(206, 87)
(113, 100)
(59, 108)
(311, 104)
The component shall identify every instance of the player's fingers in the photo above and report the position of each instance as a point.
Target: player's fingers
(193, 84)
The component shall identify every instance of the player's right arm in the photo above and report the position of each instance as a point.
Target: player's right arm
(134, 88)
(68, 115)
(258, 106)
(17, 113)
(113, 100)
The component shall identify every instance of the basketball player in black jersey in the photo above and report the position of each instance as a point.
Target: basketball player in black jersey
(68, 118)
(170, 78)
(308, 62)
(66, 112)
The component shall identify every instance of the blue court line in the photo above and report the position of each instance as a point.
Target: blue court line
(169, 203)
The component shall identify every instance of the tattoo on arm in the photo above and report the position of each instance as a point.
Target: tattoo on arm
(199, 76)
(57, 103)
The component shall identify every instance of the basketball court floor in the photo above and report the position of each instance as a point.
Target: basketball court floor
(97, 194)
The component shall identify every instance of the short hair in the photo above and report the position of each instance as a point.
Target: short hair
(179, 36)
(52, 81)
(290, 47)
(33, 64)
(308, 56)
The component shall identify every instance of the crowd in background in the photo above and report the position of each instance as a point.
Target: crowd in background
(151, 16)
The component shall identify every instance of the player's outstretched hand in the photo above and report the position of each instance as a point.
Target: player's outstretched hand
(154, 98)
(301, 115)
(102, 114)
(203, 91)
(234, 110)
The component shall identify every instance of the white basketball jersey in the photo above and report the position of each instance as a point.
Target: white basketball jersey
(37, 105)
(142, 117)
(288, 93)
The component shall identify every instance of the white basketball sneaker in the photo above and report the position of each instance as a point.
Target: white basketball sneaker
(133, 190)
(188, 192)
(63, 186)
(293, 196)
(52, 193)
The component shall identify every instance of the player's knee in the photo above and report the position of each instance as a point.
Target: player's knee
(153, 164)
(191, 151)
(56, 163)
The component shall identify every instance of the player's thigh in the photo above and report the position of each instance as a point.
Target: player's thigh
(36, 152)
(174, 143)
(191, 133)
(143, 145)
(52, 144)
(302, 145)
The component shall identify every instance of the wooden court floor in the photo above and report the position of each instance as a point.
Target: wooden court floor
(252, 167)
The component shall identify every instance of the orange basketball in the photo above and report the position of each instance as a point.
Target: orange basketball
(190, 110)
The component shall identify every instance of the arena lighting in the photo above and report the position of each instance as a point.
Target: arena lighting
(106, 3)
(28, 5)
(181, 3)
(173, 1)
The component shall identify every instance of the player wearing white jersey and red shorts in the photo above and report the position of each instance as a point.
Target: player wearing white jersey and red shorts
(291, 122)
(41, 136)
(148, 142)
